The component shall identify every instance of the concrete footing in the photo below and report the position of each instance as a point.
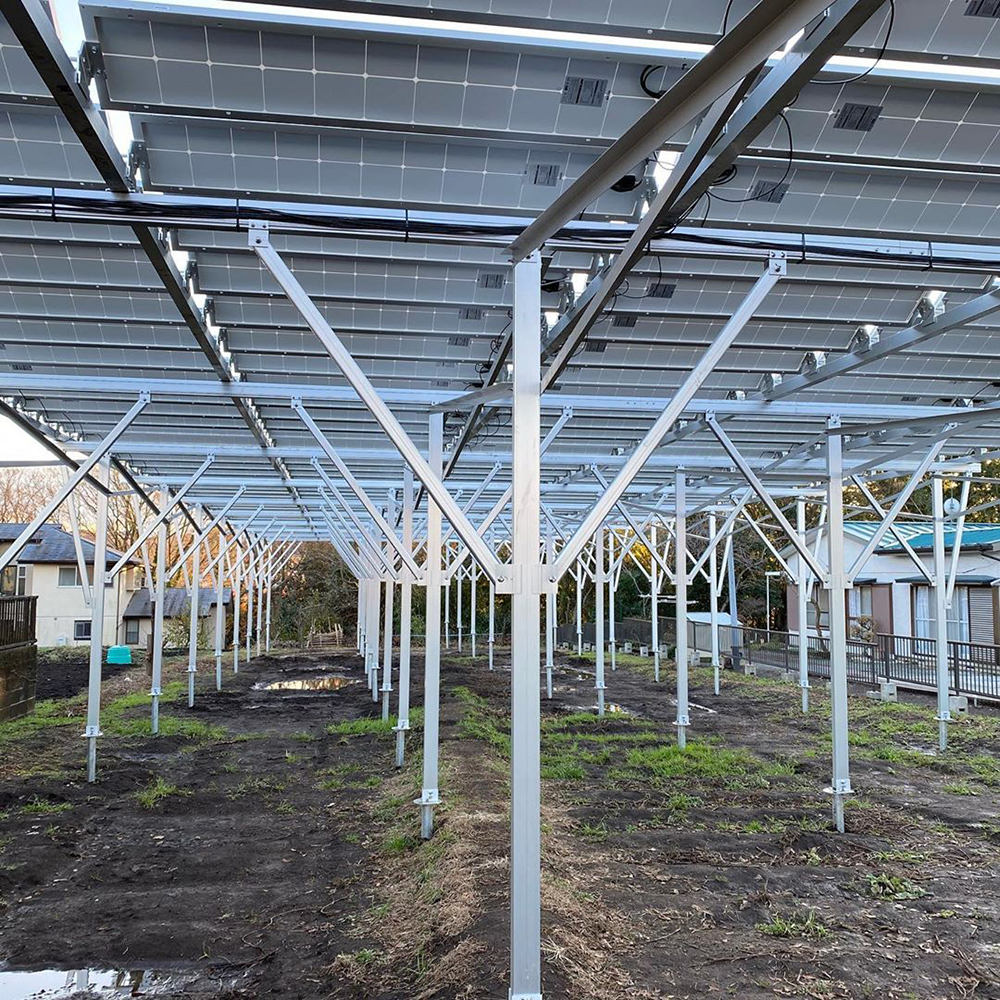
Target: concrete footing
(958, 704)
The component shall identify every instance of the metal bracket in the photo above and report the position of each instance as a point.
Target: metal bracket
(258, 235)
(92, 732)
(429, 797)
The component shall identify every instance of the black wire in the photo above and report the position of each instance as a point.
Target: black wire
(647, 72)
(725, 19)
(764, 195)
(885, 46)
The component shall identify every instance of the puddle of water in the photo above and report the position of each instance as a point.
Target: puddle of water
(55, 984)
(304, 684)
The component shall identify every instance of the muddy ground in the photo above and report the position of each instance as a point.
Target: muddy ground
(62, 673)
(264, 845)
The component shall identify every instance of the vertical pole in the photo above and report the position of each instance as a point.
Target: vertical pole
(360, 625)
(735, 638)
(550, 617)
(654, 613)
(803, 584)
(267, 614)
(525, 722)
(611, 599)
(387, 652)
(262, 562)
(405, 611)
(195, 621)
(599, 618)
(447, 613)
(429, 797)
(493, 615)
(579, 607)
(837, 585)
(472, 607)
(940, 595)
(375, 599)
(93, 730)
(680, 608)
(161, 587)
(458, 608)
(713, 600)
(237, 597)
(220, 613)
(251, 587)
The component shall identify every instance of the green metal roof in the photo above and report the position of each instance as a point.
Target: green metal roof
(921, 536)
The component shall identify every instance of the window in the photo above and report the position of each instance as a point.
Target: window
(81, 629)
(69, 576)
(132, 632)
(817, 595)
(958, 614)
(13, 581)
(859, 603)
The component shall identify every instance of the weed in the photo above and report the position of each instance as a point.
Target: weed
(39, 807)
(47, 714)
(156, 791)
(352, 838)
(361, 727)
(813, 857)
(293, 758)
(400, 843)
(895, 887)
(302, 737)
(808, 926)
(256, 786)
(960, 788)
(597, 833)
(905, 857)
(285, 808)
(702, 760)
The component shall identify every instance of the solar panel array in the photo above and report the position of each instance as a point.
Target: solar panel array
(335, 112)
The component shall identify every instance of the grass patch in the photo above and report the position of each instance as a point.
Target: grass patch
(704, 760)
(256, 786)
(400, 843)
(808, 927)
(480, 722)
(40, 807)
(156, 791)
(361, 727)
(47, 715)
(595, 832)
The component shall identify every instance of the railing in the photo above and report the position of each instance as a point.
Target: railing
(18, 656)
(973, 667)
(781, 649)
(17, 620)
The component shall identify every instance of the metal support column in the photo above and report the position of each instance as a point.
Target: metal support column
(525, 721)
(611, 600)
(267, 613)
(939, 594)
(251, 578)
(802, 584)
(654, 606)
(735, 637)
(837, 585)
(447, 613)
(599, 618)
(429, 797)
(374, 605)
(220, 615)
(458, 610)
(579, 607)
(493, 620)
(680, 608)
(550, 619)
(713, 601)
(155, 689)
(93, 730)
(236, 579)
(405, 611)
(261, 564)
(390, 592)
(473, 572)
(195, 622)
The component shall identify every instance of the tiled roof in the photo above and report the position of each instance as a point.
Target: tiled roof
(50, 544)
(176, 602)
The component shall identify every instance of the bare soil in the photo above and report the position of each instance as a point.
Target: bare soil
(278, 856)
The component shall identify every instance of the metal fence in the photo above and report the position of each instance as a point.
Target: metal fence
(973, 668)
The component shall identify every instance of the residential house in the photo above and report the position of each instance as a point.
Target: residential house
(137, 619)
(47, 567)
(892, 591)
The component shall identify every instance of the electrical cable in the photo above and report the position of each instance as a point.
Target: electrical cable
(881, 55)
(764, 195)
